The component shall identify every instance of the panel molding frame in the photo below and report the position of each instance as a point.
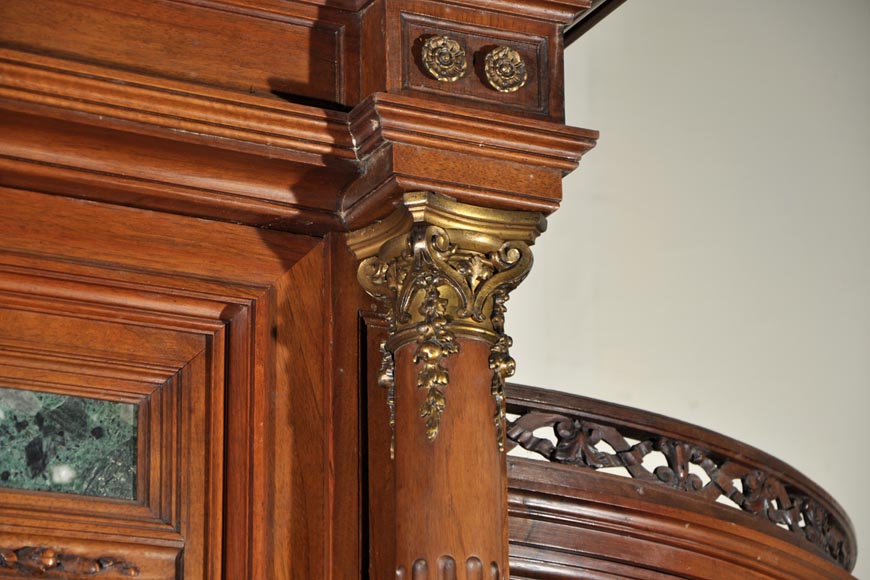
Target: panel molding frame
(224, 307)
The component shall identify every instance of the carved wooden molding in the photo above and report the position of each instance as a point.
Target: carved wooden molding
(400, 119)
(556, 11)
(443, 270)
(42, 561)
(446, 569)
(284, 129)
(603, 443)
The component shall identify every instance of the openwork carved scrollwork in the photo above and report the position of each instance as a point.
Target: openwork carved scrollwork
(40, 561)
(594, 445)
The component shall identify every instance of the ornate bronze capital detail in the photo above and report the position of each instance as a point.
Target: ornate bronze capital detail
(444, 270)
(444, 58)
(505, 69)
(33, 561)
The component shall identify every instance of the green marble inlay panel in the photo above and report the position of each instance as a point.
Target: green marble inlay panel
(64, 443)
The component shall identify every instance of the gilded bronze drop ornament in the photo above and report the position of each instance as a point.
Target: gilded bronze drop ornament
(505, 69)
(444, 58)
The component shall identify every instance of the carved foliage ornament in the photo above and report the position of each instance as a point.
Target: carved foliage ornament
(439, 283)
(751, 490)
(33, 561)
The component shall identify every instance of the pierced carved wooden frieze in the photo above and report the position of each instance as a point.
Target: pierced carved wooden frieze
(51, 563)
(443, 270)
(763, 495)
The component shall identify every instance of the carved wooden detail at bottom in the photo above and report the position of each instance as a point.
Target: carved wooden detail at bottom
(40, 561)
(447, 569)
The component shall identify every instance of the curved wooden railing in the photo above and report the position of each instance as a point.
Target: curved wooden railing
(676, 462)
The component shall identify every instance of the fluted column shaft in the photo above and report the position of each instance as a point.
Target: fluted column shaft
(451, 494)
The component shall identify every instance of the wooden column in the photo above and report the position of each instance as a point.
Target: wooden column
(443, 270)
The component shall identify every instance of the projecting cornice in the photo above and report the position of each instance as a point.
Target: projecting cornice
(217, 154)
(398, 119)
(407, 144)
(191, 112)
(559, 11)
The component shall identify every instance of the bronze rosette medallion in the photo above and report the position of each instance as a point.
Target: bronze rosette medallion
(444, 58)
(505, 70)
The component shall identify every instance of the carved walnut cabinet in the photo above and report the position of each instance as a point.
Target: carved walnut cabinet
(254, 258)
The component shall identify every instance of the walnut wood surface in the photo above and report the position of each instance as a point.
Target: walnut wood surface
(176, 181)
(450, 492)
(201, 151)
(567, 523)
(339, 53)
(179, 316)
(573, 518)
(380, 497)
(217, 44)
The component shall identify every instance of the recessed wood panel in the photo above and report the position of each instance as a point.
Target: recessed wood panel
(479, 30)
(477, 42)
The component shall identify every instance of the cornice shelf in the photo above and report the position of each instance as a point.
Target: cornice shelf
(213, 153)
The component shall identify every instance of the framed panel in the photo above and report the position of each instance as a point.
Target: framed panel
(83, 363)
(222, 337)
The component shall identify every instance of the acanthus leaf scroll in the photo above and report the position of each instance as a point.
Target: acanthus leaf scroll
(437, 284)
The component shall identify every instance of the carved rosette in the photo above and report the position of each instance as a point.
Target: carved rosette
(446, 274)
(444, 58)
(505, 69)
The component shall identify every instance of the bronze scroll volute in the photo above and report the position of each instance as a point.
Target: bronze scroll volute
(505, 69)
(444, 58)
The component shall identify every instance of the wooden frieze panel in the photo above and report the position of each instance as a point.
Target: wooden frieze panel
(525, 88)
(292, 51)
(477, 54)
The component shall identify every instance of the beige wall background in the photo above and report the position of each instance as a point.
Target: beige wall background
(711, 260)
